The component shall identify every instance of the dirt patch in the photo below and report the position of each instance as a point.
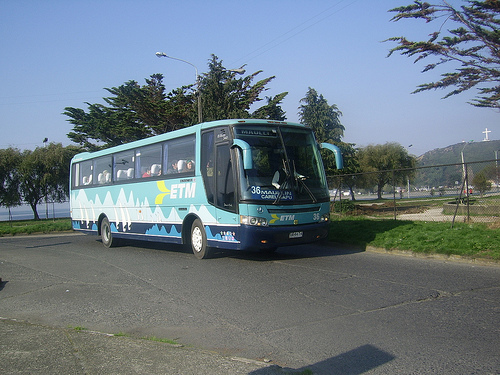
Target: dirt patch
(388, 207)
(494, 225)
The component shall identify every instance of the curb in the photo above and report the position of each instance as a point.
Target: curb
(444, 257)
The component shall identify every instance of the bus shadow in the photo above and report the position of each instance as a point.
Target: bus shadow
(2, 284)
(323, 249)
(320, 249)
(354, 362)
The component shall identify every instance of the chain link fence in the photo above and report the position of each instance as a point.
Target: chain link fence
(462, 192)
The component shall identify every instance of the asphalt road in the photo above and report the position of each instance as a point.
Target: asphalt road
(317, 306)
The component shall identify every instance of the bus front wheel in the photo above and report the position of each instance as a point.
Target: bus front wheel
(106, 235)
(199, 240)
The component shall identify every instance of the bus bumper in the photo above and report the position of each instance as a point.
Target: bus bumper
(254, 237)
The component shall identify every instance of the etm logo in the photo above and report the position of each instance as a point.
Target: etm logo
(176, 191)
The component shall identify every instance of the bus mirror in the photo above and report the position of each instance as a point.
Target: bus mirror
(336, 151)
(246, 151)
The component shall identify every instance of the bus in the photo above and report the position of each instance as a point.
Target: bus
(228, 184)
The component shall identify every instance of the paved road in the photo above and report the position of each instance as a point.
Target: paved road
(319, 307)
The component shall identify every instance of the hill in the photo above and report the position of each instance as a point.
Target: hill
(449, 175)
(475, 151)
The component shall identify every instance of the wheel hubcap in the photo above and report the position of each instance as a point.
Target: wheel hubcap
(196, 239)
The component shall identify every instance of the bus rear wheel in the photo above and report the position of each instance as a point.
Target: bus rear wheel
(107, 237)
(199, 240)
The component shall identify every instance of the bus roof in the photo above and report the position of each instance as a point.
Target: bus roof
(178, 133)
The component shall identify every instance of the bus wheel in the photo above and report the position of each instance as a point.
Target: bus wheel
(199, 240)
(106, 235)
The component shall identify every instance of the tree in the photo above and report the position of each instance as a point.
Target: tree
(10, 159)
(226, 97)
(272, 110)
(133, 112)
(474, 45)
(44, 175)
(322, 118)
(481, 183)
(390, 161)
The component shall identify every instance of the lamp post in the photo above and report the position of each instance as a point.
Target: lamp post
(197, 79)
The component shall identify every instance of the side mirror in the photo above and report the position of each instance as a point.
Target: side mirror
(246, 151)
(339, 161)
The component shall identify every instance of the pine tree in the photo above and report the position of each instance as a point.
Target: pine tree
(474, 45)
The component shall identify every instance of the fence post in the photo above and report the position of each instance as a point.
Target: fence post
(467, 190)
(394, 194)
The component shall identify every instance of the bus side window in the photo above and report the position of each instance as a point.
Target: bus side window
(122, 163)
(149, 161)
(102, 170)
(179, 154)
(84, 173)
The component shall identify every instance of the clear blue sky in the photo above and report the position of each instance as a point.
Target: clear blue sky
(62, 53)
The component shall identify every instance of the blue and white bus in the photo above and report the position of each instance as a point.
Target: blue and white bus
(230, 184)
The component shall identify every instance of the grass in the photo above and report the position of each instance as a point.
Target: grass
(157, 339)
(123, 334)
(34, 226)
(78, 328)
(469, 240)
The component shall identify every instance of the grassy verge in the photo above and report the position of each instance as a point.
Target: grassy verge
(470, 240)
(34, 226)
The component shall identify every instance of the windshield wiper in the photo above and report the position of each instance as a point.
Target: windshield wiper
(299, 179)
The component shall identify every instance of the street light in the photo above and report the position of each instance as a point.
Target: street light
(197, 79)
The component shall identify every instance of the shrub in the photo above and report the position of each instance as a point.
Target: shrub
(344, 206)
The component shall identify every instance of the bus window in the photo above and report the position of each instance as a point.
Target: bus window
(123, 165)
(179, 155)
(102, 170)
(148, 161)
(85, 173)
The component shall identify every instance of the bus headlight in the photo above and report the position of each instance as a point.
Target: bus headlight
(325, 217)
(253, 220)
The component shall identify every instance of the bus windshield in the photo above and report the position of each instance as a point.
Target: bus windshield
(286, 166)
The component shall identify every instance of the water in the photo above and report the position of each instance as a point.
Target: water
(24, 212)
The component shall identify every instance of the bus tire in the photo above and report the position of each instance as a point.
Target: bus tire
(106, 235)
(199, 240)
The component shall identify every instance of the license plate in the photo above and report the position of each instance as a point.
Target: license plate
(295, 234)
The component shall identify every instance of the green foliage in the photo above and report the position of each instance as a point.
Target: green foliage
(272, 110)
(344, 206)
(389, 163)
(44, 174)
(226, 97)
(480, 183)
(322, 118)
(474, 45)
(9, 177)
(30, 226)
(476, 241)
(158, 339)
(133, 112)
(449, 174)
